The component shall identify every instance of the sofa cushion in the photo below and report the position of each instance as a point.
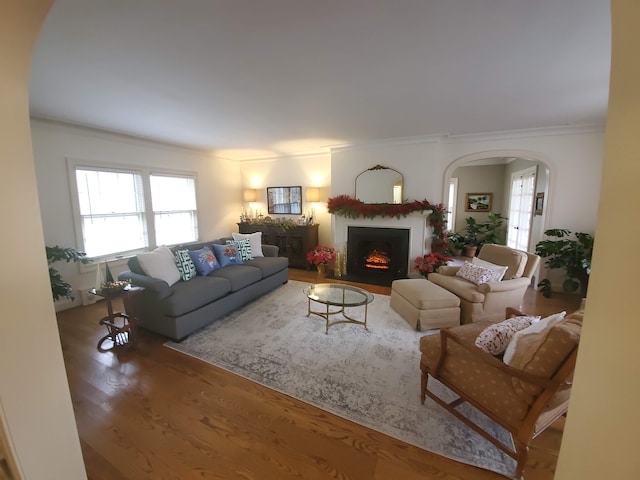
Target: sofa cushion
(255, 239)
(464, 289)
(191, 295)
(515, 260)
(205, 261)
(498, 270)
(185, 265)
(160, 264)
(227, 254)
(239, 276)
(475, 273)
(495, 338)
(525, 343)
(268, 265)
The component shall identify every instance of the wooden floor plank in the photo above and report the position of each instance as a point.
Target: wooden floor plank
(151, 412)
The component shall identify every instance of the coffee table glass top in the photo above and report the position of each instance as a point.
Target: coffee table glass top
(338, 294)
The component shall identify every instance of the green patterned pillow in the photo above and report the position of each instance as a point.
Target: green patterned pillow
(244, 248)
(185, 265)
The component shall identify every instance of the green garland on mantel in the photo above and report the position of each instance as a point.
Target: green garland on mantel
(346, 206)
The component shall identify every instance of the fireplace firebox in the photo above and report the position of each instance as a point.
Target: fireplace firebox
(377, 255)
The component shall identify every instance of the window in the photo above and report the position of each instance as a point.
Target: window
(174, 209)
(120, 210)
(523, 185)
(453, 194)
(112, 213)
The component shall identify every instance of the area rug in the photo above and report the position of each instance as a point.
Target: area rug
(371, 377)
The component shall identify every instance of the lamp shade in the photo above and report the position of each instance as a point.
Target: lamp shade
(312, 194)
(250, 195)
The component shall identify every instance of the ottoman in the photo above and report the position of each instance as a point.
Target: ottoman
(425, 305)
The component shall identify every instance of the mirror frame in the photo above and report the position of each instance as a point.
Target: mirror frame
(378, 168)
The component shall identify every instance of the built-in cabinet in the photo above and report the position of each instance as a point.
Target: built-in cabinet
(293, 242)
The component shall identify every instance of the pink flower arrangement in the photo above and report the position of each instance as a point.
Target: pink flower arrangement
(431, 262)
(321, 255)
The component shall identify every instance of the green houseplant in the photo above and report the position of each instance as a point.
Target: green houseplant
(477, 234)
(569, 252)
(60, 288)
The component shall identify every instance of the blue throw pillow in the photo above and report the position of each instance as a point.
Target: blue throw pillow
(204, 260)
(227, 255)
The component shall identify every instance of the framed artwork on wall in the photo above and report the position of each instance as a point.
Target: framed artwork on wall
(539, 203)
(284, 200)
(478, 202)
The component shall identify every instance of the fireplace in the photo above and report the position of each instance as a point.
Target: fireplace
(377, 255)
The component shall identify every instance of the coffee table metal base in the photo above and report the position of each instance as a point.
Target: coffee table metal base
(347, 319)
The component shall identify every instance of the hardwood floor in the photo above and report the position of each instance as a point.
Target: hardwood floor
(150, 412)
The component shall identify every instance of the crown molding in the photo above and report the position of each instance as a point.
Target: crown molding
(116, 136)
(528, 132)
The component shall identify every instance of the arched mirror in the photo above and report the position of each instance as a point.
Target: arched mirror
(379, 185)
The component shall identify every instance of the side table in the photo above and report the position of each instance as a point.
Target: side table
(120, 326)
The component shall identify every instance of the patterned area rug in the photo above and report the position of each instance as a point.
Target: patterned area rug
(369, 377)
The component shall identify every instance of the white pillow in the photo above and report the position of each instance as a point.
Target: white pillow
(255, 240)
(499, 270)
(475, 273)
(495, 338)
(523, 338)
(160, 264)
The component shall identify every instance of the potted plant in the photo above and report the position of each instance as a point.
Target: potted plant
(456, 243)
(430, 263)
(573, 255)
(320, 256)
(494, 230)
(60, 288)
(472, 237)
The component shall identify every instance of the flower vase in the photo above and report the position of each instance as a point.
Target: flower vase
(322, 270)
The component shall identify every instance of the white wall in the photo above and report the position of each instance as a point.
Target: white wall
(601, 435)
(218, 184)
(303, 170)
(34, 395)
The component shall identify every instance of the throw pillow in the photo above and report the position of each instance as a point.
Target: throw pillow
(499, 270)
(185, 265)
(160, 264)
(495, 338)
(526, 342)
(475, 273)
(255, 239)
(243, 247)
(227, 255)
(204, 260)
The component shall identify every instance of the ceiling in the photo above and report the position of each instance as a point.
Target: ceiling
(258, 78)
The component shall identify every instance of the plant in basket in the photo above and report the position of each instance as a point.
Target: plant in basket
(431, 262)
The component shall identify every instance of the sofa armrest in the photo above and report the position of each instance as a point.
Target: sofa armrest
(270, 250)
(504, 285)
(159, 287)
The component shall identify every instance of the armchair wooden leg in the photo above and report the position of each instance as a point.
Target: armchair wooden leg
(423, 388)
(522, 455)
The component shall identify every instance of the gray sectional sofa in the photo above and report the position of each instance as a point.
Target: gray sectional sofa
(176, 311)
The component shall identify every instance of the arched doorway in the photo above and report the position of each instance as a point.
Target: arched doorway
(493, 173)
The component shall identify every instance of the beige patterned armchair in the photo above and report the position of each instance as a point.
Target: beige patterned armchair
(524, 397)
(488, 301)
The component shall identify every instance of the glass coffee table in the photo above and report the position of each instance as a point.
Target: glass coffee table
(341, 296)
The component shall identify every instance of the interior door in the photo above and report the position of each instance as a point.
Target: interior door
(523, 184)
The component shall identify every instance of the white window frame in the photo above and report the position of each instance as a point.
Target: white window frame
(148, 217)
(452, 201)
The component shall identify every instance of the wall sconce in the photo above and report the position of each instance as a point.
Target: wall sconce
(250, 195)
(312, 194)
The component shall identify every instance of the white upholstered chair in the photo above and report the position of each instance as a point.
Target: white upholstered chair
(488, 301)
